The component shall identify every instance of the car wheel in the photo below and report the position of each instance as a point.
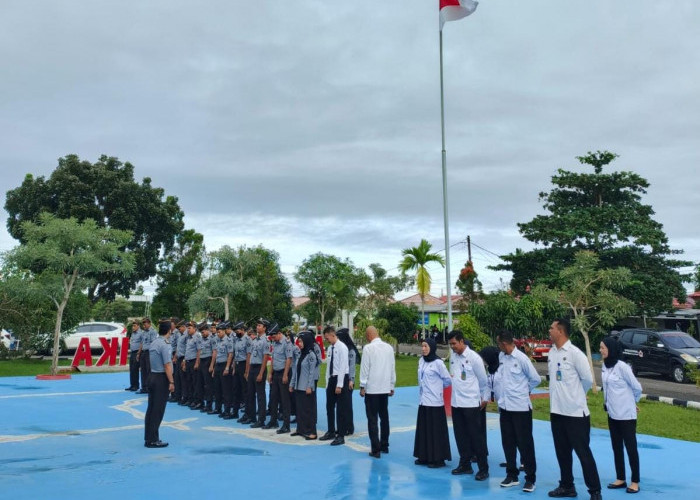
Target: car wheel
(678, 374)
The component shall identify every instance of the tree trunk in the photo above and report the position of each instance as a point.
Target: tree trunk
(422, 319)
(226, 307)
(57, 335)
(590, 360)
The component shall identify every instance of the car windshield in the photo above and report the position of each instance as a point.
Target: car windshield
(681, 341)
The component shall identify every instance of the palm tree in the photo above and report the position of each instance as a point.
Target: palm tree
(415, 259)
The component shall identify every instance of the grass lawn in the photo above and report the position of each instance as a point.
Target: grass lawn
(28, 367)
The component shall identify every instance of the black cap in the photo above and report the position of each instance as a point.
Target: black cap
(273, 329)
(222, 326)
(238, 326)
(263, 321)
(181, 323)
(203, 326)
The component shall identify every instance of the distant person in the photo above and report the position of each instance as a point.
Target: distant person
(148, 335)
(431, 445)
(621, 391)
(337, 386)
(160, 384)
(353, 358)
(569, 379)
(377, 381)
(134, 349)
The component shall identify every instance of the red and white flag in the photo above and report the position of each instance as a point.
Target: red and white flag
(451, 10)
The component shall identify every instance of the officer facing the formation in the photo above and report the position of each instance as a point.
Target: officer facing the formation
(239, 386)
(160, 384)
(204, 363)
(220, 364)
(188, 366)
(255, 374)
(278, 379)
(180, 361)
(134, 348)
(148, 335)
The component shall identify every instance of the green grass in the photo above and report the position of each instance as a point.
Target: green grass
(28, 367)
(406, 372)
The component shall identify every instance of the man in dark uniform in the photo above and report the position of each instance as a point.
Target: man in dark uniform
(148, 335)
(191, 349)
(175, 334)
(240, 356)
(255, 374)
(134, 347)
(220, 362)
(180, 361)
(160, 384)
(278, 379)
(204, 363)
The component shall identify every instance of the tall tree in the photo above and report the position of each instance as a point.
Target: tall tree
(331, 284)
(63, 256)
(179, 275)
(106, 192)
(590, 294)
(468, 284)
(416, 259)
(379, 288)
(603, 213)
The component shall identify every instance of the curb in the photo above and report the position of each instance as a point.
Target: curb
(672, 401)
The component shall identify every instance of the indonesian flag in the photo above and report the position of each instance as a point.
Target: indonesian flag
(451, 10)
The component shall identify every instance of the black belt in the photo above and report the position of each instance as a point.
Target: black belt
(278, 371)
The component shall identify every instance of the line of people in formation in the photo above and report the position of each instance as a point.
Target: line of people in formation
(505, 375)
(223, 370)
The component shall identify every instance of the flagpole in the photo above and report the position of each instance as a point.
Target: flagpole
(444, 195)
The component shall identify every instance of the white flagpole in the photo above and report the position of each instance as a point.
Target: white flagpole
(444, 195)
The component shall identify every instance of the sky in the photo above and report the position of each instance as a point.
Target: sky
(312, 126)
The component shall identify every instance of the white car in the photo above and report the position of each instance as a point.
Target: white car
(93, 331)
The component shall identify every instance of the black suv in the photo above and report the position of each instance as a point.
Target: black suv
(666, 352)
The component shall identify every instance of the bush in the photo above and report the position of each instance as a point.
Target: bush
(472, 331)
(401, 321)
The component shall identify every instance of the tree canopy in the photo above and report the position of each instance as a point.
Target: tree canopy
(416, 259)
(105, 192)
(603, 213)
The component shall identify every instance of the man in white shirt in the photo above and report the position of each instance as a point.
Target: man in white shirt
(377, 381)
(517, 378)
(470, 394)
(569, 380)
(337, 381)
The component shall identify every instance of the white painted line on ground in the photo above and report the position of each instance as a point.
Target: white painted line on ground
(54, 394)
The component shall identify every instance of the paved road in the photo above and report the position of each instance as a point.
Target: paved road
(656, 385)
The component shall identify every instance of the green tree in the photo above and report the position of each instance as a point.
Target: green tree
(603, 213)
(468, 283)
(589, 292)
(179, 273)
(472, 331)
(416, 259)
(401, 320)
(106, 192)
(331, 284)
(379, 288)
(63, 256)
(117, 310)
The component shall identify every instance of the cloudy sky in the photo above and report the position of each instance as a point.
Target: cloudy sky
(314, 126)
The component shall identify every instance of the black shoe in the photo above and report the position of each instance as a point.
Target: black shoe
(156, 444)
(213, 412)
(509, 481)
(628, 490)
(462, 469)
(338, 441)
(310, 438)
(271, 425)
(235, 415)
(503, 464)
(613, 486)
(384, 449)
(418, 461)
(257, 425)
(375, 454)
(141, 392)
(560, 492)
(245, 420)
(131, 389)
(327, 437)
(196, 406)
(482, 475)
(436, 465)
(295, 433)
(597, 496)
(283, 430)
(529, 487)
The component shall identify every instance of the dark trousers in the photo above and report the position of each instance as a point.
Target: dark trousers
(349, 416)
(256, 393)
(624, 432)
(134, 365)
(145, 365)
(574, 434)
(279, 393)
(218, 384)
(516, 435)
(176, 381)
(305, 403)
(377, 406)
(469, 437)
(179, 375)
(226, 389)
(240, 386)
(193, 385)
(337, 407)
(157, 399)
(207, 381)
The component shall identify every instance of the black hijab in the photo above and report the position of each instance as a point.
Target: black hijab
(308, 339)
(432, 354)
(490, 356)
(344, 336)
(613, 346)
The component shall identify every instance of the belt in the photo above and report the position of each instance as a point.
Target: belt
(281, 370)
(220, 363)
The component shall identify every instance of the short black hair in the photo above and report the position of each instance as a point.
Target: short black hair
(328, 329)
(505, 336)
(564, 325)
(457, 335)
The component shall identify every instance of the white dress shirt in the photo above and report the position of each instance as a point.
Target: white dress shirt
(433, 377)
(518, 377)
(469, 384)
(339, 353)
(377, 368)
(568, 396)
(622, 391)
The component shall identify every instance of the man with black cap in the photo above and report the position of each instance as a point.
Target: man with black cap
(278, 379)
(240, 355)
(255, 374)
(179, 360)
(160, 384)
(175, 334)
(204, 363)
(134, 348)
(220, 362)
(148, 335)
(188, 366)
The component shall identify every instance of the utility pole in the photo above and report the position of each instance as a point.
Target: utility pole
(469, 248)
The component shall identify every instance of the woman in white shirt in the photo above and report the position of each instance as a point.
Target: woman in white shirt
(432, 443)
(621, 391)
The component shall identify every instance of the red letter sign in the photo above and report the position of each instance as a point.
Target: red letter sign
(83, 353)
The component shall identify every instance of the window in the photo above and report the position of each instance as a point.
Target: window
(639, 338)
(681, 341)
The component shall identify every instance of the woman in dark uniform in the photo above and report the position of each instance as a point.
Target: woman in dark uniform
(161, 384)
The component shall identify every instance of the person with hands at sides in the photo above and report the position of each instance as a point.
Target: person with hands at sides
(160, 384)
(337, 381)
(303, 386)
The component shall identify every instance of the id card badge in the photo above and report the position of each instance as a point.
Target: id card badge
(464, 374)
(559, 372)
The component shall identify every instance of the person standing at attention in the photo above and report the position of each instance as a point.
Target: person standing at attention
(377, 381)
(160, 384)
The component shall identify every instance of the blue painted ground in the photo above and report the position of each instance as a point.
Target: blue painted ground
(83, 438)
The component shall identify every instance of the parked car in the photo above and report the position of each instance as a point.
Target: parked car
(71, 340)
(666, 352)
(537, 348)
